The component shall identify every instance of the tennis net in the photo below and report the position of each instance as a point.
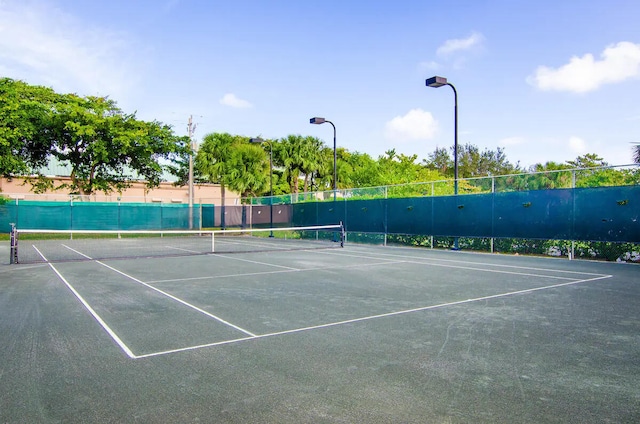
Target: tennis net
(37, 245)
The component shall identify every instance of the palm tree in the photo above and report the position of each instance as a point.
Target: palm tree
(312, 159)
(248, 169)
(289, 156)
(213, 159)
(636, 153)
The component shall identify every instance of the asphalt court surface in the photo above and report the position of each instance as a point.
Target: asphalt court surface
(422, 335)
(222, 298)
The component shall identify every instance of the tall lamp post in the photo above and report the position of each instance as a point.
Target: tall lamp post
(318, 121)
(439, 82)
(259, 140)
(191, 128)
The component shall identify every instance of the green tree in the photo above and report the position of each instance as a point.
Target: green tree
(248, 169)
(593, 171)
(25, 111)
(107, 148)
(439, 160)
(300, 157)
(213, 162)
(314, 160)
(549, 175)
(104, 147)
(590, 160)
(474, 163)
(359, 170)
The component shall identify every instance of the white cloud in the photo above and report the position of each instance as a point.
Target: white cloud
(232, 100)
(512, 141)
(458, 44)
(430, 66)
(43, 45)
(417, 124)
(577, 145)
(618, 62)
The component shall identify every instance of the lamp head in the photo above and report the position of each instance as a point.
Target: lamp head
(317, 120)
(436, 82)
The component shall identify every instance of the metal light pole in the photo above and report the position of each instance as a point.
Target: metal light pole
(318, 121)
(191, 128)
(259, 140)
(439, 82)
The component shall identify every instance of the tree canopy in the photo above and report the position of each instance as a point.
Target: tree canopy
(105, 148)
(25, 113)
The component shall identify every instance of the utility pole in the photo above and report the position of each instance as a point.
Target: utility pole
(191, 127)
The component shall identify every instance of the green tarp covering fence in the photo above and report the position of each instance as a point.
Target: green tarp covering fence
(588, 214)
(97, 216)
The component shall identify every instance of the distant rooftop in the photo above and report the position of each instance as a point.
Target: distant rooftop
(55, 168)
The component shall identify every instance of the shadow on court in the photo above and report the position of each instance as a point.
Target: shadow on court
(360, 334)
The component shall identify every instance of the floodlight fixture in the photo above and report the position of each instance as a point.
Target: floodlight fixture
(317, 121)
(436, 82)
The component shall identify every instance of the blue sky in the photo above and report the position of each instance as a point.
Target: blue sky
(545, 80)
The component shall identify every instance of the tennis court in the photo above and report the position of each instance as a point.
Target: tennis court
(355, 334)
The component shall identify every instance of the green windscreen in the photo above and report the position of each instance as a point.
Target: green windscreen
(589, 214)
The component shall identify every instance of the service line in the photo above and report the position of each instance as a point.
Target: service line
(371, 317)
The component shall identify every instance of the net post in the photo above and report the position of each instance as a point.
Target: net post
(343, 234)
(13, 258)
(213, 242)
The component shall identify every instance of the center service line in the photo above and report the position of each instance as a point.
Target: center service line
(202, 311)
(170, 296)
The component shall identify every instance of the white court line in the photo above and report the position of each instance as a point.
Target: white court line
(183, 249)
(248, 274)
(274, 246)
(371, 317)
(170, 296)
(478, 263)
(496, 271)
(75, 251)
(259, 263)
(95, 315)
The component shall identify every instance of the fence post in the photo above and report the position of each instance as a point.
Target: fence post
(493, 207)
(13, 258)
(386, 212)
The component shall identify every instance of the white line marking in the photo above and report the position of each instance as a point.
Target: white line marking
(202, 311)
(95, 315)
(248, 274)
(75, 251)
(170, 296)
(496, 271)
(258, 263)
(184, 250)
(371, 317)
(478, 263)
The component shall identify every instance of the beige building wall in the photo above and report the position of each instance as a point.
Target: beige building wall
(16, 188)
